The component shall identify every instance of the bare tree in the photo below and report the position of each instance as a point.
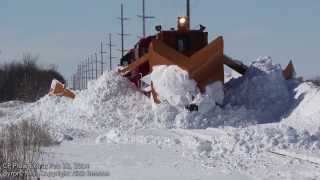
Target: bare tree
(26, 81)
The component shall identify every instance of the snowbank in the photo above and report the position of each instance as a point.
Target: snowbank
(260, 96)
(236, 126)
(306, 111)
(111, 101)
(262, 89)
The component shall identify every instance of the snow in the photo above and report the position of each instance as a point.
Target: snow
(176, 90)
(231, 74)
(126, 161)
(262, 89)
(111, 101)
(173, 85)
(54, 83)
(257, 126)
(306, 113)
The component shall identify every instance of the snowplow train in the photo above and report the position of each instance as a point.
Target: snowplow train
(186, 48)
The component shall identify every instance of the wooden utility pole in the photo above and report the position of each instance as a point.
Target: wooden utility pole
(80, 81)
(122, 34)
(101, 54)
(88, 64)
(110, 45)
(78, 78)
(96, 62)
(84, 75)
(73, 81)
(144, 17)
(92, 64)
(81, 75)
(189, 13)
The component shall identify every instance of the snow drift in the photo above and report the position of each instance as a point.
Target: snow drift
(109, 102)
(262, 89)
(236, 127)
(306, 112)
(260, 96)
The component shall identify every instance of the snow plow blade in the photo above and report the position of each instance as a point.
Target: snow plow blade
(235, 65)
(59, 89)
(204, 66)
(289, 72)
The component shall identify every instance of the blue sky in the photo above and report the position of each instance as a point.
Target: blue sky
(65, 32)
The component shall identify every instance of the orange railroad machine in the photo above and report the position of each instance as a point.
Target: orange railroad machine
(186, 48)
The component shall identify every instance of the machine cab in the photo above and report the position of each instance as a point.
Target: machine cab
(183, 39)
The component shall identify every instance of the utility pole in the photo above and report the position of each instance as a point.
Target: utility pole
(101, 54)
(122, 34)
(88, 64)
(78, 78)
(74, 82)
(110, 45)
(188, 13)
(86, 74)
(92, 66)
(82, 77)
(96, 60)
(144, 17)
(88, 70)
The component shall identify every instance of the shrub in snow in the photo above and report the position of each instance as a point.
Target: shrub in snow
(20, 145)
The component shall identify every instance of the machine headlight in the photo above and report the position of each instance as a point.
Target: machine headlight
(182, 20)
(183, 23)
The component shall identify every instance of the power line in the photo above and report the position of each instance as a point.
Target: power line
(86, 68)
(122, 34)
(101, 54)
(92, 65)
(78, 77)
(110, 45)
(96, 62)
(88, 63)
(144, 17)
(189, 13)
(84, 76)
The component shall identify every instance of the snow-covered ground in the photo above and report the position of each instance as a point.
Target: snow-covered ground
(259, 126)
